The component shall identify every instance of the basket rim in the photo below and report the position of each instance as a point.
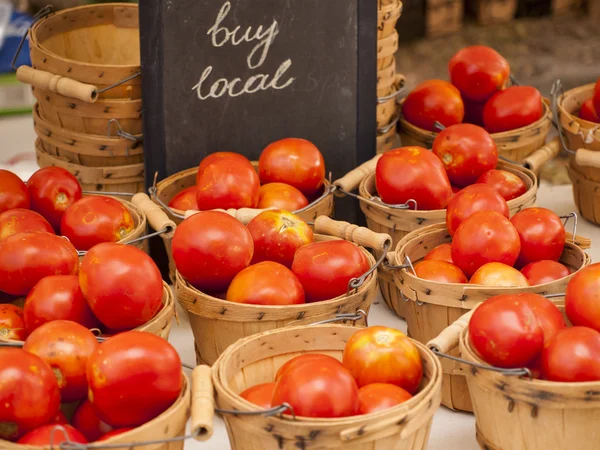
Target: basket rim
(570, 115)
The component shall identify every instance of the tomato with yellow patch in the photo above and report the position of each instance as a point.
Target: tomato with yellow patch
(508, 185)
(12, 324)
(19, 220)
(433, 101)
(440, 272)
(13, 192)
(474, 198)
(281, 196)
(260, 394)
(499, 275)
(380, 396)
(185, 200)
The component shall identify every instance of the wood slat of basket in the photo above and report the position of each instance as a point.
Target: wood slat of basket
(387, 16)
(386, 141)
(386, 49)
(586, 194)
(386, 112)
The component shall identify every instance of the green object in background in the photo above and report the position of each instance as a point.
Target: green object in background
(15, 97)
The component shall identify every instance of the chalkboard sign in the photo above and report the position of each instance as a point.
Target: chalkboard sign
(236, 75)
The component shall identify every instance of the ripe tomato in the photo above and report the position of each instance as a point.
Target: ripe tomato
(473, 112)
(440, 271)
(121, 284)
(325, 268)
(595, 98)
(383, 355)
(114, 433)
(466, 151)
(29, 388)
(478, 72)
(582, 297)
(94, 220)
(210, 248)
(572, 355)
(52, 436)
(60, 418)
(185, 200)
(282, 196)
(301, 359)
(12, 325)
(542, 235)
(87, 422)
(588, 112)
(19, 220)
(260, 395)
(547, 314)
(219, 156)
(266, 283)
(507, 184)
(318, 389)
(500, 275)
(65, 346)
(456, 189)
(474, 198)
(293, 161)
(277, 234)
(26, 258)
(52, 190)
(13, 192)
(542, 272)
(413, 173)
(433, 101)
(505, 332)
(133, 377)
(379, 396)
(514, 107)
(486, 236)
(442, 252)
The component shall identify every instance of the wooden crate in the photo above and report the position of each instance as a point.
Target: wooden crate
(443, 17)
(489, 12)
(566, 7)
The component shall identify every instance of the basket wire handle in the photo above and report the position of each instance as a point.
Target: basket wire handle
(41, 14)
(354, 317)
(121, 132)
(580, 241)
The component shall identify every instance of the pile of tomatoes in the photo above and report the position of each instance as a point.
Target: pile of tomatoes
(291, 172)
(477, 95)
(590, 107)
(528, 330)
(380, 369)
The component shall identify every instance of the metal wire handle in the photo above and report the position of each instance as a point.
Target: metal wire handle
(133, 241)
(121, 132)
(554, 92)
(42, 13)
(391, 96)
(569, 216)
(356, 283)
(360, 314)
(510, 372)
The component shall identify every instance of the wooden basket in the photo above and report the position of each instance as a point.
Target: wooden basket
(387, 16)
(386, 49)
(389, 82)
(126, 179)
(256, 359)
(387, 140)
(490, 12)
(443, 17)
(430, 307)
(386, 112)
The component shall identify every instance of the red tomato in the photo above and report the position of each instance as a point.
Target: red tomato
(573, 355)
(383, 355)
(472, 199)
(542, 235)
(466, 151)
(19, 220)
(185, 200)
(547, 314)
(442, 252)
(52, 435)
(588, 112)
(65, 346)
(505, 331)
(595, 99)
(133, 377)
(57, 297)
(29, 388)
(277, 234)
(478, 72)
(499, 275)
(219, 156)
(210, 248)
(229, 182)
(318, 389)
(94, 220)
(301, 359)
(379, 396)
(474, 112)
(507, 184)
(266, 283)
(433, 101)
(456, 189)
(542, 272)
(12, 325)
(582, 297)
(440, 271)
(325, 268)
(281, 196)
(114, 433)
(413, 173)
(26, 258)
(60, 418)
(87, 422)
(293, 161)
(514, 107)
(260, 395)
(13, 192)
(486, 236)
(52, 191)
(121, 284)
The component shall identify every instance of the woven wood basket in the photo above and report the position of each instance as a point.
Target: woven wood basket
(386, 49)
(386, 141)
(430, 307)
(389, 82)
(514, 145)
(493, 11)
(387, 16)
(256, 359)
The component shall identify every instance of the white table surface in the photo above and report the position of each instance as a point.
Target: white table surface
(450, 431)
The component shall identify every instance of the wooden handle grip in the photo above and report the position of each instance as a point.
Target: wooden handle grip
(352, 179)
(155, 215)
(542, 155)
(588, 158)
(244, 215)
(55, 83)
(353, 233)
(449, 337)
(203, 403)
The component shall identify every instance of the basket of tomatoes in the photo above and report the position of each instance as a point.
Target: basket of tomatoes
(532, 367)
(290, 174)
(445, 269)
(333, 387)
